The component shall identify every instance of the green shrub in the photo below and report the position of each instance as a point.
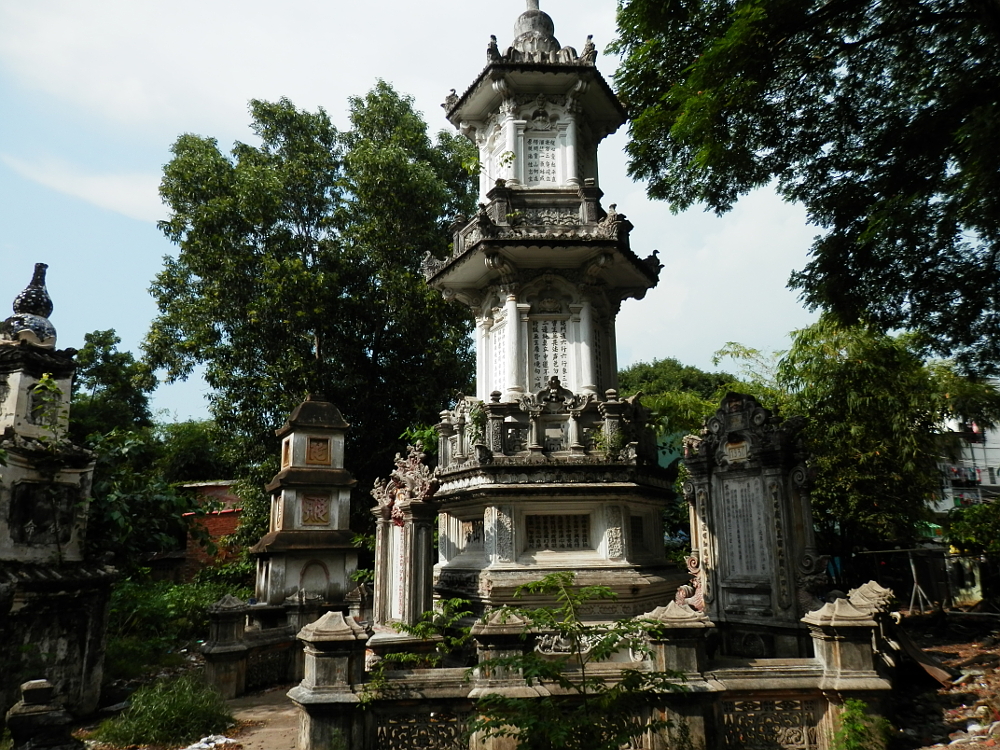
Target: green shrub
(858, 730)
(175, 711)
(152, 620)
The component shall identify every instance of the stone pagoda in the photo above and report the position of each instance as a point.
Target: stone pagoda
(53, 600)
(546, 468)
(309, 551)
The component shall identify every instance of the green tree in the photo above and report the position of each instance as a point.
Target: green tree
(298, 272)
(191, 451)
(134, 511)
(876, 425)
(582, 710)
(110, 390)
(878, 116)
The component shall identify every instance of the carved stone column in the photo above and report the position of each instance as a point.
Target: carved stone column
(404, 547)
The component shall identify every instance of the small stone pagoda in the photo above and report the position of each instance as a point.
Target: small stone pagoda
(53, 601)
(309, 550)
(546, 468)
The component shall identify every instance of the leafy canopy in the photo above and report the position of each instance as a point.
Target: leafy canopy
(110, 389)
(879, 116)
(298, 272)
(876, 424)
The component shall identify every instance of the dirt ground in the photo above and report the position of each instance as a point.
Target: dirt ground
(966, 710)
(267, 721)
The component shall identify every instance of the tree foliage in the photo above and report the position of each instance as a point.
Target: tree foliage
(134, 510)
(876, 425)
(298, 272)
(878, 116)
(110, 389)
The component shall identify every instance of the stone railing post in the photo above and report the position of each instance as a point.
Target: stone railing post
(225, 651)
(334, 664)
(38, 721)
(501, 635)
(677, 635)
(844, 633)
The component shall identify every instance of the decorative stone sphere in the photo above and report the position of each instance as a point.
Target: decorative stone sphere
(535, 32)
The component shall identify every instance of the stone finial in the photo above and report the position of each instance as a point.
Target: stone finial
(228, 603)
(333, 626)
(38, 721)
(839, 613)
(412, 481)
(870, 597)
(676, 615)
(30, 321)
(500, 622)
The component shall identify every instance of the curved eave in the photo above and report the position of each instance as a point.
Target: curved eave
(599, 101)
(557, 253)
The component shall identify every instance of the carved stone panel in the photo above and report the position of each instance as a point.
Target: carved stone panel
(318, 451)
(42, 513)
(498, 351)
(499, 533)
(745, 542)
(770, 724)
(315, 510)
(540, 162)
(567, 532)
(421, 731)
(549, 352)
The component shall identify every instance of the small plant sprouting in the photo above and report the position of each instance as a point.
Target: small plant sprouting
(859, 730)
(442, 625)
(594, 711)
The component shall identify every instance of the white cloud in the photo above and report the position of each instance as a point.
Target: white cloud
(133, 195)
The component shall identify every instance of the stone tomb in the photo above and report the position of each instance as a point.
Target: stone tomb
(754, 562)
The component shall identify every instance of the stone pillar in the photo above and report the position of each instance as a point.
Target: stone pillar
(572, 177)
(677, 636)
(38, 722)
(334, 663)
(844, 632)
(587, 383)
(483, 358)
(404, 548)
(514, 385)
(225, 651)
(499, 636)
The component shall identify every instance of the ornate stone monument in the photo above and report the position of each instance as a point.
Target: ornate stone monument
(546, 468)
(754, 562)
(309, 551)
(53, 601)
(403, 547)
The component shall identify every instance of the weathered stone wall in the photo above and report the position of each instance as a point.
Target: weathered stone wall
(53, 623)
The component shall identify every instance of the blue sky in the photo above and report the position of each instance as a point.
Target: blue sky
(93, 94)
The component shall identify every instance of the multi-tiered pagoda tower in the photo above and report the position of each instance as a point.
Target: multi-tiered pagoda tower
(546, 469)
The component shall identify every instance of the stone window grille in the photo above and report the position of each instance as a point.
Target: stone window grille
(558, 532)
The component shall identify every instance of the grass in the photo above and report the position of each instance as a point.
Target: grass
(169, 712)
